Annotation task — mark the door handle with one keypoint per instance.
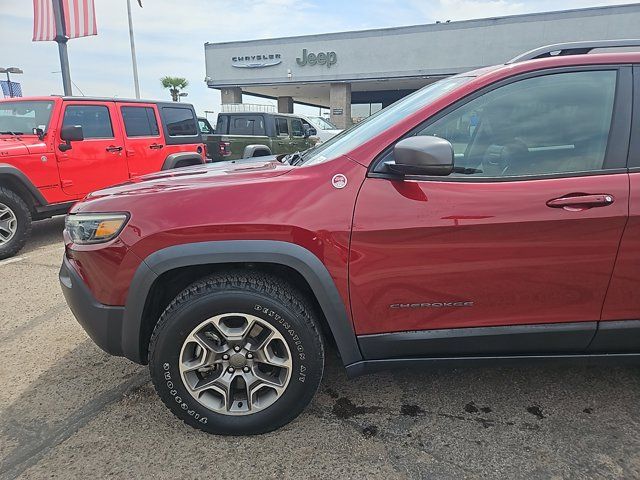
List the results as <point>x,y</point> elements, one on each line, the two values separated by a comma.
<point>578,202</point>
<point>113,149</point>
<point>155,146</point>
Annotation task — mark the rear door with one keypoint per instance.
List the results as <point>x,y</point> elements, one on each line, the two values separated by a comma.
<point>526,232</point>
<point>144,142</point>
<point>97,161</point>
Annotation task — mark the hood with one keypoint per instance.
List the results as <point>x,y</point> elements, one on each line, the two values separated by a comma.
<point>200,176</point>
<point>11,146</point>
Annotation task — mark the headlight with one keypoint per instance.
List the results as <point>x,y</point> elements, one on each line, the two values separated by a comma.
<point>94,228</point>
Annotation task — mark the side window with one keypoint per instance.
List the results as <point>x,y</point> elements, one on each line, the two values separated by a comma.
<point>246,125</point>
<point>94,120</point>
<point>556,123</point>
<point>205,127</point>
<point>281,126</point>
<point>180,121</point>
<point>222,124</point>
<point>296,128</point>
<point>140,121</point>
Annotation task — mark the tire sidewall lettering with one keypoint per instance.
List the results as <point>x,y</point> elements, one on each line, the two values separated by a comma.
<point>293,337</point>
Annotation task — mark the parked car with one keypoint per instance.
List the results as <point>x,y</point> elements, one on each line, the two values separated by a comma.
<point>324,128</point>
<point>519,241</point>
<point>246,135</point>
<point>55,150</point>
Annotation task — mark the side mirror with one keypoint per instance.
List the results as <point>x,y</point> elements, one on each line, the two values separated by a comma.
<point>422,155</point>
<point>309,131</point>
<point>39,132</point>
<point>70,133</point>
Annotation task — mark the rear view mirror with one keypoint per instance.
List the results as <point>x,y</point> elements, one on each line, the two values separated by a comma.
<point>422,155</point>
<point>70,133</point>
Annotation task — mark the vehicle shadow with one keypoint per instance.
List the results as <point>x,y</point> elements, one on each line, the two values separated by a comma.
<point>525,422</point>
<point>44,233</point>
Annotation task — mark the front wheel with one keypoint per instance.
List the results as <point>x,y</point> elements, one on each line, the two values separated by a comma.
<point>15,223</point>
<point>237,354</point>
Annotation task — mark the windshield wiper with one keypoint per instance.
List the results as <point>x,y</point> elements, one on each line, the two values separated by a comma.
<point>11,133</point>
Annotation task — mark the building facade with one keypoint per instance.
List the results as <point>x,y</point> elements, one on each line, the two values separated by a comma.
<point>355,73</point>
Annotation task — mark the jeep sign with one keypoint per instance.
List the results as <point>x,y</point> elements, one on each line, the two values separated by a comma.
<point>322,58</point>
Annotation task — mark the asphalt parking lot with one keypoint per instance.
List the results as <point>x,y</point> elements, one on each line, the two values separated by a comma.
<point>68,410</point>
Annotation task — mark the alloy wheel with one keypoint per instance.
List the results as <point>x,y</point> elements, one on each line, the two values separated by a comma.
<point>235,364</point>
<point>8,224</point>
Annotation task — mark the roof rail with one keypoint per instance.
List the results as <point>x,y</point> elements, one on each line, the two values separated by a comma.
<point>573,48</point>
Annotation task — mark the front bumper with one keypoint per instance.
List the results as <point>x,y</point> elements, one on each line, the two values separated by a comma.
<point>103,323</point>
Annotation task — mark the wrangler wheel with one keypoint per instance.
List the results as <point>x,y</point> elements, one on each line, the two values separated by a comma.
<point>15,223</point>
<point>237,353</point>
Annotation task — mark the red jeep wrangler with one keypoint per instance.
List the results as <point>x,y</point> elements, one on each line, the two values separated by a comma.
<point>55,150</point>
<point>493,215</point>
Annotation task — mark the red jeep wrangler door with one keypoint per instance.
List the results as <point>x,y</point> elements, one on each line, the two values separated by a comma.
<point>97,161</point>
<point>144,142</point>
<point>527,231</point>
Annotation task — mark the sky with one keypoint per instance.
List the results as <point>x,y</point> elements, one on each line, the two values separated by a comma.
<point>170,37</point>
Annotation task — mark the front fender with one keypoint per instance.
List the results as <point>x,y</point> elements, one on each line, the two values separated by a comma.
<point>236,251</point>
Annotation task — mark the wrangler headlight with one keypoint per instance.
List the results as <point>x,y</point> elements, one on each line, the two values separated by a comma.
<point>94,228</point>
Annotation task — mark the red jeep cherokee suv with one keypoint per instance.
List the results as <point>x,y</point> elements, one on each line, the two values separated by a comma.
<point>490,215</point>
<point>55,150</point>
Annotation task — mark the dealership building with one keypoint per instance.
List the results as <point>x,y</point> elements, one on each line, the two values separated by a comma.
<point>354,74</point>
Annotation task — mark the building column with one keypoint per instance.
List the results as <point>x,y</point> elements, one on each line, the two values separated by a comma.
<point>340,104</point>
<point>285,104</point>
<point>231,95</point>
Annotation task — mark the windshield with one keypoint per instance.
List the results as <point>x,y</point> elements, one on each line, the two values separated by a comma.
<point>22,117</point>
<point>376,124</point>
<point>322,123</point>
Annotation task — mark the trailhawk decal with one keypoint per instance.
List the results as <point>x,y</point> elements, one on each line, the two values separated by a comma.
<point>431,305</point>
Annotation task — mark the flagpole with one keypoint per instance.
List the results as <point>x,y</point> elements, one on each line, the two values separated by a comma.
<point>61,40</point>
<point>133,51</point>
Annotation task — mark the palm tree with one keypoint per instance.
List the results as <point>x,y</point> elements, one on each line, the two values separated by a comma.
<point>174,84</point>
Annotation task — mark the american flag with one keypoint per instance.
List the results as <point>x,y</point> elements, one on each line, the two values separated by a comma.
<point>15,89</point>
<point>79,19</point>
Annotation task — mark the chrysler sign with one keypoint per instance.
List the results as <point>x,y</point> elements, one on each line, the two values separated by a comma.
<point>256,61</point>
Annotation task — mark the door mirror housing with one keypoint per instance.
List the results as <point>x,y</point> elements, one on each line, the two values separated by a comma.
<point>70,133</point>
<point>39,132</point>
<point>422,155</point>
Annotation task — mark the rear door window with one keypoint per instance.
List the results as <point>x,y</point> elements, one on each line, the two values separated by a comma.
<point>180,121</point>
<point>140,121</point>
<point>94,120</point>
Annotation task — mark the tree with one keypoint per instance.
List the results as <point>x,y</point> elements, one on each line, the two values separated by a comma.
<point>174,84</point>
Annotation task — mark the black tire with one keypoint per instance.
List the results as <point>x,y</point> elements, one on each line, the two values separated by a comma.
<point>263,296</point>
<point>23,215</point>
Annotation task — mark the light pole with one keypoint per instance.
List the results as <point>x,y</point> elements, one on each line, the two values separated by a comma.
<point>182,94</point>
<point>134,62</point>
<point>9,70</point>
